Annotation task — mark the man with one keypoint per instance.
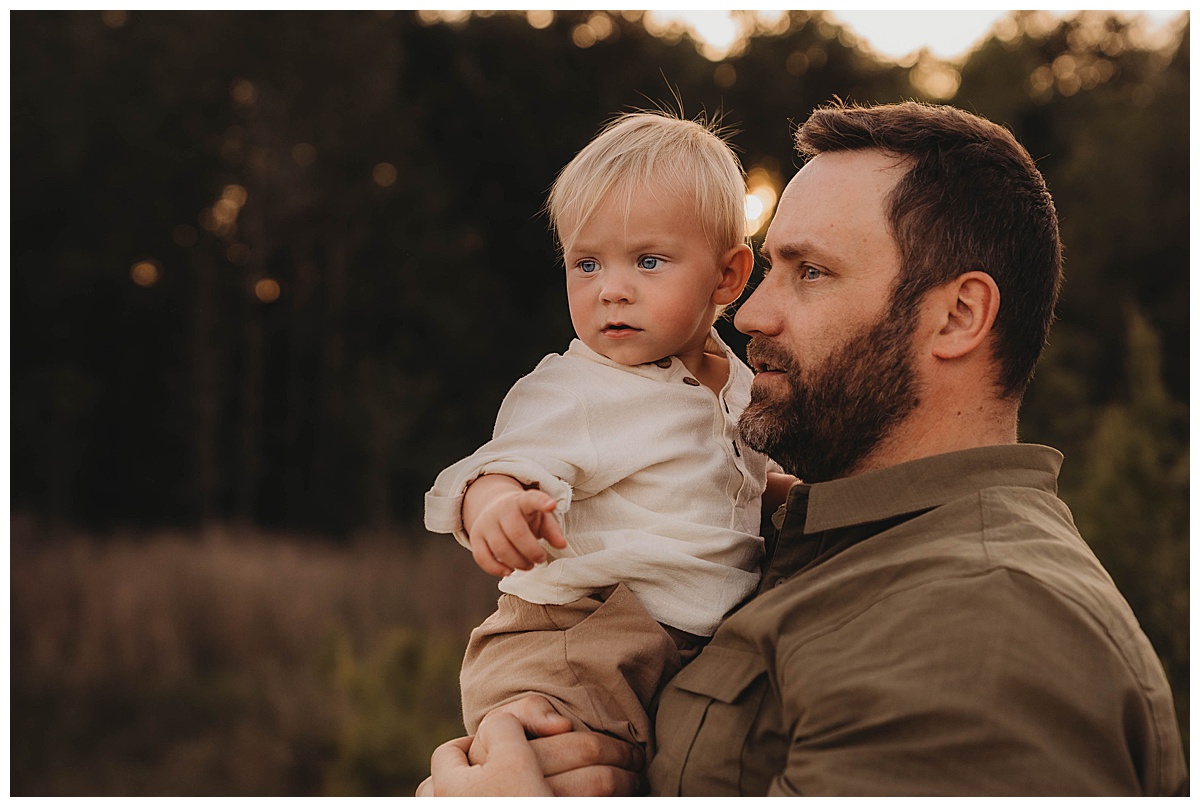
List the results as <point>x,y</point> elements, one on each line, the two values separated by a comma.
<point>929,621</point>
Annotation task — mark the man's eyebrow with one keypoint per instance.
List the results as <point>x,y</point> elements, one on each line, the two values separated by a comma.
<point>795,251</point>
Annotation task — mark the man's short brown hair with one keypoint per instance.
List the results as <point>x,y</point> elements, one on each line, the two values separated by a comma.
<point>972,200</point>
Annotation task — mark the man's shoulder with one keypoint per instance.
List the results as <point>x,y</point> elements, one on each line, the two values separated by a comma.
<point>953,554</point>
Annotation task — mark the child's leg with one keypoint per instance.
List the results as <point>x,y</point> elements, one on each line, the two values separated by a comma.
<point>599,660</point>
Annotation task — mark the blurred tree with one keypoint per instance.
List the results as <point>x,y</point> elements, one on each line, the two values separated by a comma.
<point>282,267</point>
<point>344,263</point>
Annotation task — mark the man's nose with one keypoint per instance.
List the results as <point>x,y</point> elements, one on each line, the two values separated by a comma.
<point>758,313</point>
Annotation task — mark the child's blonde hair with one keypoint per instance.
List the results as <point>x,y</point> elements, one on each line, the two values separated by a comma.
<point>637,148</point>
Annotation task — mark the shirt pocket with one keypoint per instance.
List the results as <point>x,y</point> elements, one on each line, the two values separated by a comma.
<point>704,719</point>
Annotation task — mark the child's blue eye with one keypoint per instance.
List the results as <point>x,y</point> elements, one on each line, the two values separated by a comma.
<point>587,267</point>
<point>648,262</point>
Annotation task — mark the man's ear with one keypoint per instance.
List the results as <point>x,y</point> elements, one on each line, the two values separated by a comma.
<point>966,308</point>
<point>736,266</point>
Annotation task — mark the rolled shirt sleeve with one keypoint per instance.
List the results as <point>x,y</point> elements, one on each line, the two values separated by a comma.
<point>541,439</point>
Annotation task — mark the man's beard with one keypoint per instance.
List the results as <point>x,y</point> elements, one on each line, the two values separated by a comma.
<point>839,411</point>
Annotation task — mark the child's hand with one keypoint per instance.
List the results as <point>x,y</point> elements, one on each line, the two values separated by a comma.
<point>505,524</point>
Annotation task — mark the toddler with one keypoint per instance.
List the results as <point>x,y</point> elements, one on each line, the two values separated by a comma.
<point>616,499</point>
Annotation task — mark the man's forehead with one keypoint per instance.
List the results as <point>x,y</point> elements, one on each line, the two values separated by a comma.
<point>871,171</point>
<point>835,195</point>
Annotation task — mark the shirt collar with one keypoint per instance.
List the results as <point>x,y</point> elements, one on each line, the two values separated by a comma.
<point>665,369</point>
<point>923,484</point>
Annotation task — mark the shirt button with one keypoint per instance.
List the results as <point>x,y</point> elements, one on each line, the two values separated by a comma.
<point>664,363</point>
<point>691,382</point>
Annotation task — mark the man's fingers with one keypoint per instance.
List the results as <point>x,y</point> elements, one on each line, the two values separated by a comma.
<point>511,767</point>
<point>585,749</point>
<point>503,738</point>
<point>447,758</point>
<point>597,781</point>
<point>536,715</point>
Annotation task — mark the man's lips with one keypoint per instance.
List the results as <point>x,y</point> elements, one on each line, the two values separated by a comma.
<point>764,359</point>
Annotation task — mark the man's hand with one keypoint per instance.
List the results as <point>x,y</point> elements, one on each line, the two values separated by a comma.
<point>504,521</point>
<point>511,768</point>
<point>569,763</point>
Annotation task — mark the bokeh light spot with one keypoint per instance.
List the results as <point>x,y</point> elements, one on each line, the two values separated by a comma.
<point>184,235</point>
<point>114,19</point>
<point>267,290</point>
<point>238,254</point>
<point>384,175</point>
<point>601,25</point>
<point>935,79</point>
<point>235,194</point>
<point>243,92</point>
<point>583,36</point>
<point>797,63</point>
<point>144,273</point>
<point>540,18</point>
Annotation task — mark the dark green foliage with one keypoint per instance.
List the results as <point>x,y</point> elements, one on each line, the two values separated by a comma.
<point>402,700</point>
<point>410,300</point>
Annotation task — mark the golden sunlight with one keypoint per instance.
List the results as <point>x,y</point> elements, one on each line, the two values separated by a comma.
<point>760,201</point>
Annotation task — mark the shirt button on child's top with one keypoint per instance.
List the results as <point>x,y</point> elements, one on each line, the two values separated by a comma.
<point>691,382</point>
<point>664,363</point>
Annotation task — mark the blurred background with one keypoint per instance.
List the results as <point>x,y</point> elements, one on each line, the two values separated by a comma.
<point>272,271</point>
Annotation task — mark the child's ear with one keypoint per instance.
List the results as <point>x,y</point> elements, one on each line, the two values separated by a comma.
<point>736,266</point>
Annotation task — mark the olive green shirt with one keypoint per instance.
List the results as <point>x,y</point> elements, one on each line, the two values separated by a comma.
<point>934,628</point>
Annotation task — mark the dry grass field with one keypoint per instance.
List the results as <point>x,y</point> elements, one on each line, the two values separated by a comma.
<point>234,663</point>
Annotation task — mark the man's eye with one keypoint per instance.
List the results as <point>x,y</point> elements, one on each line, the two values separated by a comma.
<point>648,262</point>
<point>588,266</point>
<point>811,272</point>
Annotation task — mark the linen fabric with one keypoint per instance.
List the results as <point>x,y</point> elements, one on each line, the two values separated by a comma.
<point>934,628</point>
<point>655,488</point>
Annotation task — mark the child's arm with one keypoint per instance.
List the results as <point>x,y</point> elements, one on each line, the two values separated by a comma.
<point>504,520</point>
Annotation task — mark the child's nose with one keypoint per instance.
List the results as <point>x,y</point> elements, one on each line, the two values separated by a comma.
<point>616,288</point>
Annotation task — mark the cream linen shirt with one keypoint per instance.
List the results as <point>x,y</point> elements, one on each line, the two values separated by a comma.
<point>655,487</point>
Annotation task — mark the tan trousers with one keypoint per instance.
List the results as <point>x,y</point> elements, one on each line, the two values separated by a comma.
<point>600,661</point>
